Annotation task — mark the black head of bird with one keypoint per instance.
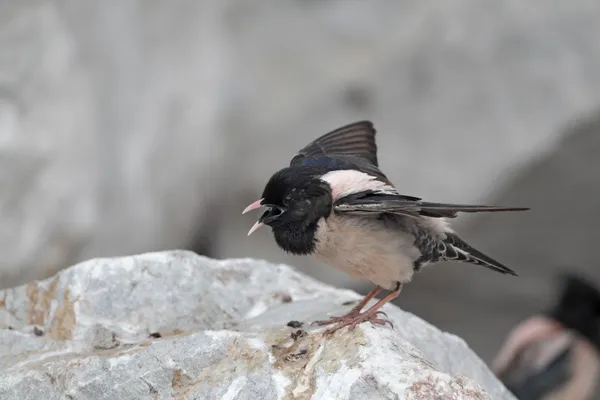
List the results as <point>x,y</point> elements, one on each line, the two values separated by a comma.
<point>295,201</point>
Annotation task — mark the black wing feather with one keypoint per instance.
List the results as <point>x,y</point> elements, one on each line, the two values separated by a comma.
<point>356,139</point>
<point>370,202</point>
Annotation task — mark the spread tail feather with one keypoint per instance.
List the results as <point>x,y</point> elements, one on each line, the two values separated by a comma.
<point>459,250</point>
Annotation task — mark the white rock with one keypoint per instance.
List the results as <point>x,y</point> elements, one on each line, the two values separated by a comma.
<point>94,320</point>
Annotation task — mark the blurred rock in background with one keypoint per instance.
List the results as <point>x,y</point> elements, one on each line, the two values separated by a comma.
<point>136,126</point>
<point>108,128</point>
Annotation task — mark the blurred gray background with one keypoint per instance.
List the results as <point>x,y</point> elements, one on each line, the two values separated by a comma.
<point>133,126</point>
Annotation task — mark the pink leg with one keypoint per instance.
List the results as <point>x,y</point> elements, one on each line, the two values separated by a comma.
<point>354,312</point>
<point>369,315</point>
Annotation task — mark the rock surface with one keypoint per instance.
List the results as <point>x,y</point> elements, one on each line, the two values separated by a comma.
<point>176,325</point>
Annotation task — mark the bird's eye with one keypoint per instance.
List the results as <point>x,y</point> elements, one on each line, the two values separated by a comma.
<point>276,211</point>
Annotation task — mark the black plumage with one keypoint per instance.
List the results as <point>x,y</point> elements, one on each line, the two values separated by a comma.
<point>354,140</point>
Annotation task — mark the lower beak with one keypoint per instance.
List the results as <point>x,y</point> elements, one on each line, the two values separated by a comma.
<point>257,225</point>
<point>253,206</point>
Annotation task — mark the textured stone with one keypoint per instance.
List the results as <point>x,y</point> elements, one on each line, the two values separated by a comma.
<point>177,325</point>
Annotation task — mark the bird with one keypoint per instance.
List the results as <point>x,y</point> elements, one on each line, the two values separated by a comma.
<point>555,354</point>
<point>333,202</point>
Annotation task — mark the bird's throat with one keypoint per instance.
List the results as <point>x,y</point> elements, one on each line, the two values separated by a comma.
<point>296,239</point>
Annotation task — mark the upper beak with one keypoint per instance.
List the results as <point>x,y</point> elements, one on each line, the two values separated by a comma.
<point>253,206</point>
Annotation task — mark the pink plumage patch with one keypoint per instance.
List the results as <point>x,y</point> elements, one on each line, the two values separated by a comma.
<point>346,182</point>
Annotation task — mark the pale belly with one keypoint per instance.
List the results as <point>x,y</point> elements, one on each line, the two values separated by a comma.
<point>366,249</point>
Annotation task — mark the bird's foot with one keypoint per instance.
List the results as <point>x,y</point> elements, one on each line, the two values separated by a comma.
<point>350,316</point>
<point>354,320</point>
<point>333,320</point>
<point>355,317</point>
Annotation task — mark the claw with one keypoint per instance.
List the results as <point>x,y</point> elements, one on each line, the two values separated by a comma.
<point>387,321</point>
<point>355,317</point>
<point>379,321</point>
<point>332,320</point>
<point>352,321</point>
<point>351,315</point>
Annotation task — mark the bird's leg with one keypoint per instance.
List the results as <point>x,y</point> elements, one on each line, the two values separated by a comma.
<point>369,315</point>
<point>354,312</point>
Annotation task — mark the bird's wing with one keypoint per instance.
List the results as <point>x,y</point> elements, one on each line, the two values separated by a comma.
<point>356,140</point>
<point>351,147</point>
<point>374,203</point>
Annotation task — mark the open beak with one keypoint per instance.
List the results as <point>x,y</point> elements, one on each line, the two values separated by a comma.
<point>253,206</point>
